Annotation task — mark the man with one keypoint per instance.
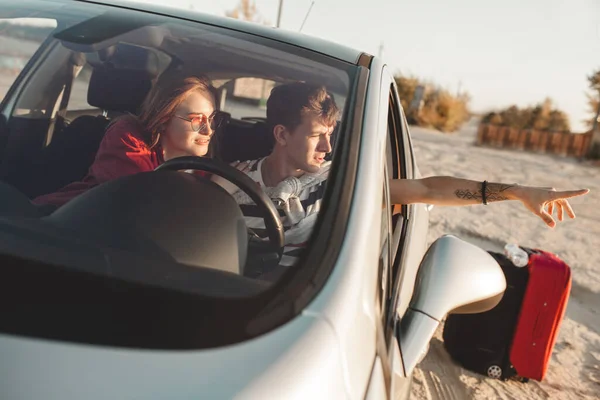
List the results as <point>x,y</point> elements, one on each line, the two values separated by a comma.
<point>302,118</point>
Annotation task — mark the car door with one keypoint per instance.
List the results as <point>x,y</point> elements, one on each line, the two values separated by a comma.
<point>404,235</point>
<point>410,222</point>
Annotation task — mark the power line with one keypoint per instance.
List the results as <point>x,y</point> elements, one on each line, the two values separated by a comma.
<point>306,17</point>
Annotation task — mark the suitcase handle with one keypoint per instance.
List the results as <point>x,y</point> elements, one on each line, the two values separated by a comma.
<point>530,251</point>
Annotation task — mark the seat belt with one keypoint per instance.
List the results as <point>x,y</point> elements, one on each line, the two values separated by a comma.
<point>76,62</point>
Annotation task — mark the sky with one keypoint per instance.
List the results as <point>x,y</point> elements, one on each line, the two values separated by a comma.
<point>502,52</point>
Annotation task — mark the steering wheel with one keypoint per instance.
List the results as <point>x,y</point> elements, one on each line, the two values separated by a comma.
<point>241,180</point>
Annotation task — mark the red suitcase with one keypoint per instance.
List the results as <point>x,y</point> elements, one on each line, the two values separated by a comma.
<point>542,311</point>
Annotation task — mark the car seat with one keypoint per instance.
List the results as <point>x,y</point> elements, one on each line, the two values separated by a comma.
<point>121,78</point>
<point>243,140</point>
<point>70,154</point>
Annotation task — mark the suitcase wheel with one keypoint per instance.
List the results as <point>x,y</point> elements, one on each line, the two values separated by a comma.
<point>494,371</point>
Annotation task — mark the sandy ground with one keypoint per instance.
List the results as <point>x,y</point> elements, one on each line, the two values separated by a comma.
<point>574,371</point>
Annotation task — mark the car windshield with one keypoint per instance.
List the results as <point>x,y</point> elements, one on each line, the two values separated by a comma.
<point>88,115</point>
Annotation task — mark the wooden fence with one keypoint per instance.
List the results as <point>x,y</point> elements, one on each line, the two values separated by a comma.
<point>560,143</point>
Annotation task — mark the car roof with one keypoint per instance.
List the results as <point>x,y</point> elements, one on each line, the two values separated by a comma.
<point>326,47</point>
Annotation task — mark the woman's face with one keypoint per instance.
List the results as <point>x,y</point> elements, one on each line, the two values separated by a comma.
<point>179,139</point>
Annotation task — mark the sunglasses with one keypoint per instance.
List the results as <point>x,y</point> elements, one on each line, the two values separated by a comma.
<point>201,122</point>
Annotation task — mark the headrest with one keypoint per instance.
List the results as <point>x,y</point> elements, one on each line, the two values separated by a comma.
<point>121,90</point>
<point>243,140</point>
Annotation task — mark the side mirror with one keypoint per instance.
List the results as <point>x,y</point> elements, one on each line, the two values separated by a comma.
<point>454,277</point>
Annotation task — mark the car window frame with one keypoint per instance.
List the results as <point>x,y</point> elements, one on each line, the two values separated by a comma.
<point>385,250</point>
<point>405,261</point>
<point>399,213</point>
<point>395,241</point>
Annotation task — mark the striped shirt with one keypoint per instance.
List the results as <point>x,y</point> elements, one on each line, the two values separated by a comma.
<point>298,212</point>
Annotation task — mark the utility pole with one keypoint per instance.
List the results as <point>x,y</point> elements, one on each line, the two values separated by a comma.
<point>279,13</point>
<point>380,55</point>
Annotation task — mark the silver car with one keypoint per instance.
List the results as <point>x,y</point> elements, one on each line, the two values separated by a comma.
<point>169,309</point>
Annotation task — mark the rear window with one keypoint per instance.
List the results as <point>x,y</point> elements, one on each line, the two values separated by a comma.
<point>19,40</point>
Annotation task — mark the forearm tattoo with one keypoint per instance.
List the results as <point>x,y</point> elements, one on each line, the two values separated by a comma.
<point>493,192</point>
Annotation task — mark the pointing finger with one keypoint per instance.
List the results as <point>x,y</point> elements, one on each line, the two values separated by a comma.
<point>566,194</point>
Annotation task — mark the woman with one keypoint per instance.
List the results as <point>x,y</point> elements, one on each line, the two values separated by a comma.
<point>177,118</point>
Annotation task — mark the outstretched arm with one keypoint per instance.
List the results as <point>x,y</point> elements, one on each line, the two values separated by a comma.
<point>450,191</point>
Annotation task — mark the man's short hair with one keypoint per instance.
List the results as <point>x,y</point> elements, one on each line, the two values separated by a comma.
<point>288,103</point>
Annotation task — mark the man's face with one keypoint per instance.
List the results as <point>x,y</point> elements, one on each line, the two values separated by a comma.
<point>307,145</point>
